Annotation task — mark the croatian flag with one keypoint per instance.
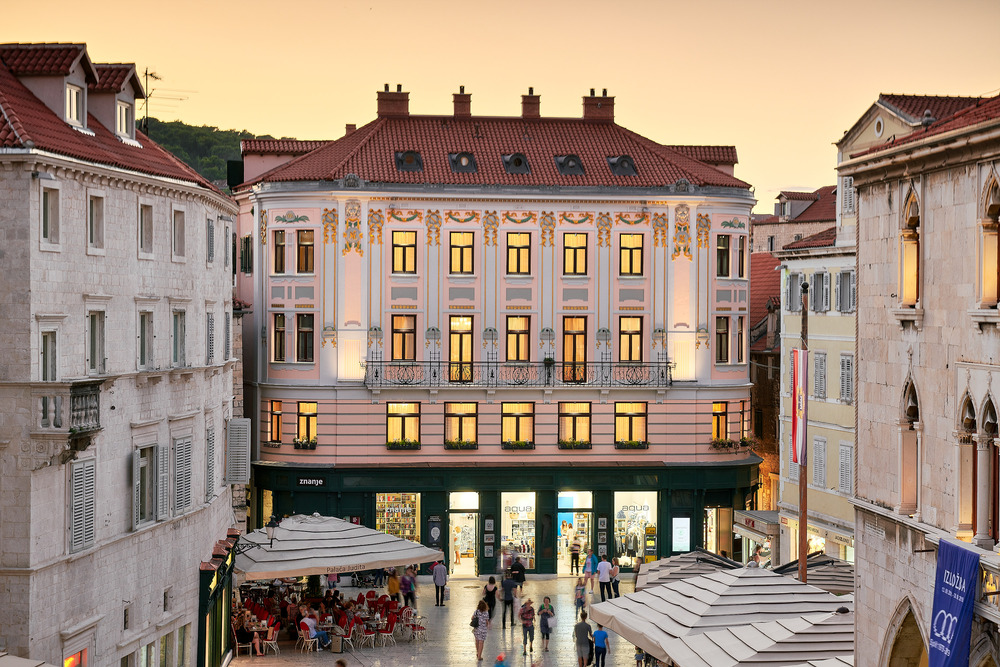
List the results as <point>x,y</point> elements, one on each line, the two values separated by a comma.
<point>800,382</point>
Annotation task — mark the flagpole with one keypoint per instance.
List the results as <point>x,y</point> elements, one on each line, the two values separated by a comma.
<point>803,482</point>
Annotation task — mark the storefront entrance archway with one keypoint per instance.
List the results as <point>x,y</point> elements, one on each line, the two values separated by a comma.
<point>904,645</point>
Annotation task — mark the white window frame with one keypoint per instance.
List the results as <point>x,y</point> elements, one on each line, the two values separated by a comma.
<point>124,119</point>
<point>145,229</point>
<point>183,453</point>
<point>49,239</point>
<point>82,504</point>
<point>76,105</point>
<point>145,335</point>
<point>48,360</point>
<point>819,287</point>
<point>846,458</point>
<point>847,377</point>
<point>849,290</point>
<point>95,222</point>
<point>157,463</point>
<point>178,234</point>
<point>819,374</point>
<point>819,462</point>
<point>95,351</point>
<point>178,348</point>
<point>793,294</point>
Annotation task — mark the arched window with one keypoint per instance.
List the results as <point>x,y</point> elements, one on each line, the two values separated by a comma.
<point>966,492</point>
<point>989,247</point>
<point>909,452</point>
<point>987,478</point>
<point>909,252</point>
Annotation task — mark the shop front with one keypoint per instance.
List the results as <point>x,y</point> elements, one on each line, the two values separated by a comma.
<point>758,529</point>
<point>215,602</point>
<point>485,518</point>
<point>832,540</point>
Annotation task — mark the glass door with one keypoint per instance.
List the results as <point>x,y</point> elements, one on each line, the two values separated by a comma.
<point>575,520</point>
<point>463,533</point>
<point>460,349</point>
<point>574,349</point>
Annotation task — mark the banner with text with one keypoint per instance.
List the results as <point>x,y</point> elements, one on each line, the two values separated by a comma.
<point>954,600</point>
<point>800,400</point>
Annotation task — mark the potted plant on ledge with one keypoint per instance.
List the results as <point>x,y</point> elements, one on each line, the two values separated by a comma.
<point>305,443</point>
<point>631,444</point>
<point>517,444</point>
<point>574,444</point>
<point>461,444</point>
<point>402,443</point>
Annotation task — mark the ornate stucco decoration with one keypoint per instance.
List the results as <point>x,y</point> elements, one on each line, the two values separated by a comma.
<point>548,224</point>
<point>632,219</point>
<point>575,218</point>
<point>704,226</point>
<point>291,217</point>
<point>352,228</point>
<point>433,221</point>
<point>263,227</point>
<point>375,222</point>
<point>462,217</point>
<point>491,222</point>
<point>682,232</point>
<point>521,217</point>
<point>735,223</point>
<point>603,229</point>
<point>329,225</point>
<point>660,230</point>
<point>396,215</point>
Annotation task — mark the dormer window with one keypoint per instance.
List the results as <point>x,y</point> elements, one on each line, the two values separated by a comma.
<point>123,120</point>
<point>622,165</point>
<point>74,105</point>
<point>516,163</point>
<point>569,165</point>
<point>409,161</point>
<point>462,163</point>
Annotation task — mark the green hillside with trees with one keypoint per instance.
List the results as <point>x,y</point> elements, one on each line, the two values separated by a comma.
<point>205,148</point>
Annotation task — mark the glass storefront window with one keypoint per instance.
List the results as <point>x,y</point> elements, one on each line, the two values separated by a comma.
<point>634,527</point>
<point>816,543</point>
<point>575,525</point>
<point>398,514</point>
<point>681,534</point>
<point>463,500</point>
<point>719,530</point>
<point>517,527</point>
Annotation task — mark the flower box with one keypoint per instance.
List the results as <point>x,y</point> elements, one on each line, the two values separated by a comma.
<point>304,444</point>
<point>460,444</point>
<point>517,444</point>
<point>574,444</point>
<point>402,444</point>
<point>631,444</point>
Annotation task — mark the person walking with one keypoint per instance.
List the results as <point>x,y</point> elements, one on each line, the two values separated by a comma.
<point>546,621</point>
<point>490,595</point>
<point>392,585</point>
<point>615,581</point>
<point>590,569</point>
<point>574,557</point>
<point>582,637</point>
<point>581,598</point>
<point>527,615</point>
<point>604,577</point>
<point>408,587</point>
<point>601,646</point>
<point>508,586</point>
<point>517,572</point>
<point>480,627</point>
<point>440,575</point>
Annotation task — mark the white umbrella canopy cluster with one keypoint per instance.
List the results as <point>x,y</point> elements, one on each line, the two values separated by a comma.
<point>656,616</point>
<point>306,545</point>
<point>823,571</point>
<point>682,566</point>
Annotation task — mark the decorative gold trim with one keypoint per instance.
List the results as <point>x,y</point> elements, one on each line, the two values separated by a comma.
<point>375,222</point>
<point>575,308</point>
<point>409,215</point>
<point>548,224</point>
<point>263,227</point>
<point>603,230</point>
<point>462,217</point>
<point>454,307</point>
<point>520,217</point>
<point>305,305</point>
<point>433,221</point>
<point>352,228</point>
<point>704,223</point>
<point>575,217</point>
<point>632,218</point>
<point>490,224</point>
<point>517,307</point>
<point>329,225</point>
<point>402,306</point>
<point>682,233</point>
<point>660,230</point>
<point>631,308</point>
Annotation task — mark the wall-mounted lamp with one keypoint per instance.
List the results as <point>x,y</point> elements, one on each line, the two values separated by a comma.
<point>42,176</point>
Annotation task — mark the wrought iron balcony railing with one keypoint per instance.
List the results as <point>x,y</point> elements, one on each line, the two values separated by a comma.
<point>384,374</point>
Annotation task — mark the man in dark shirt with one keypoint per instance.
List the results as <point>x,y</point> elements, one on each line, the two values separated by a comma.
<point>508,586</point>
<point>581,635</point>
<point>517,572</point>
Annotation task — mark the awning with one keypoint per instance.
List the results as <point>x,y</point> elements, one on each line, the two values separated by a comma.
<point>654,616</point>
<point>765,524</point>
<point>783,642</point>
<point>13,661</point>
<point>822,571</point>
<point>682,566</point>
<point>305,545</point>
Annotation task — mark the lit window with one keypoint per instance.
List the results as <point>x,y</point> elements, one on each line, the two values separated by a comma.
<point>574,349</point>
<point>909,292</point>
<point>517,337</point>
<point>404,252</point>
<point>304,337</point>
<point>741,257</point>
<point>574,422</point>
<point>461,252</point>
<point>460,421</point>
<point>631,255</point>
<point>722,255</point>
<point>989,248</point>
<point>518,422</point>
<point>278,340</point>
<point>402,422</point>
<point>123,120</point>
<point>518,253</point>
<point>739,334</point>
<point>630,422</point>
<point>722,340</point>
<point>275,421</point>
<point>74,105</point>
<point>462,163</point>
<point>76,660</point>
<point>404,337</point>
<point>720,421</point>
<point>630,339</point>
<point>304,240</point>
<point>460,348</point>
<point>574,254</point>
<point>307,420</point>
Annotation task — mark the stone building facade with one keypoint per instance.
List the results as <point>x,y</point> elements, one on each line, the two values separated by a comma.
<point>116,379</point>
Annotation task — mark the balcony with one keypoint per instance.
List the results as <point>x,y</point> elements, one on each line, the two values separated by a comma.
<point>75,406</point>
<point>389,374</point>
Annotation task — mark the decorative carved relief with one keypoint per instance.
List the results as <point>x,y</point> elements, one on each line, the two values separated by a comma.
<point>604,229</point>
<point>548,224</point>
<point>490,224</point>
<point>291,217</point>
<point>462,217</point>
<point>735,223</point>
<point>704,226</point>
<point>433,221</point>
<point>575,218</point>
<point>375,222</point>
<point>352,228</point>
<point>329,225</point>
<point>660,230</point>
<point>521,217</point>
<point>406,216</point>
<point>632,218</point>
<point>263,227</point>
<point>682,232</point>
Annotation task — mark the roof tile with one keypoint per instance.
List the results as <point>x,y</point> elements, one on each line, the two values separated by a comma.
<point>40,59</point>
<point>709,154</point>
<point>824,239</point>
<point>279,146</point>
<point>824,208</point>
<point>914,106</point>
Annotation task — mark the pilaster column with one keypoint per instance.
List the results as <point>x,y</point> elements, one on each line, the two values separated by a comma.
<point>983,474</point>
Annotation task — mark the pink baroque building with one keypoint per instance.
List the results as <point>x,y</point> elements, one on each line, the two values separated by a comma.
<point>500,334</point>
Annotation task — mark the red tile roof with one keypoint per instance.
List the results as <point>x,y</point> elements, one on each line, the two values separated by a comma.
<point>765,286</point>
<point>369,152</point>
<point>25,122</point>
<point>44,59</point>
<point>824,239</point>
<point>985,110</point>
<point>709,154</point>
<point>824,208</point>
<point>794,195</point>
<point>914,106</point>
<point>112,77</point>
<point>279,146</point>
<point>763,219</point>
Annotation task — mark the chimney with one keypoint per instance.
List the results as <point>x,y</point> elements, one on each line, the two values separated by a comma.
<point>393,104</point>
<point>463,103</point>
<point>599,108</point>
<point>350,129</point>
<point>531,105</point>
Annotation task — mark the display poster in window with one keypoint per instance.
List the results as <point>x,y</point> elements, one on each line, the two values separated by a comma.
<point>602,524</point>
<point>434,531</point>
<point>488,525</point>
<point>681,534</point>
<point>488,551</point>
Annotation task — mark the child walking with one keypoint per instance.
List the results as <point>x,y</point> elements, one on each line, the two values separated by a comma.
<point>580,597</point>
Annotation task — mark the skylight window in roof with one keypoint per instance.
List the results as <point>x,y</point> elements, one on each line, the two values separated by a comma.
<point>409,161</point>
<point>516,163</point>
<point>622,165</point>
<point>462,163</point>
<point>569,165</point>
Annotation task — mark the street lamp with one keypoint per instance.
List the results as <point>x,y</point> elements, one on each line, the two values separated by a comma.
<point>269,528</point>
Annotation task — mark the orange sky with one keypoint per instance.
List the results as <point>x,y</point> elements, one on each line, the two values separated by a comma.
<point>780,80</point>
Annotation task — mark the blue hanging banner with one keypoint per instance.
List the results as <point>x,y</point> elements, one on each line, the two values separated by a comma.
<point>954,600</point>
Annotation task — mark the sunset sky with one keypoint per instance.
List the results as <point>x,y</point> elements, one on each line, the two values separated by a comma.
<point>780,80</point>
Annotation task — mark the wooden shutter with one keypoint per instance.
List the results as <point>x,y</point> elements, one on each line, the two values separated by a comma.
<point>162,482</point>
<point>211,239</point>
<point>83,482</point>
<point>210,337</point>
<point>819,375</point>
<point>826,292</point>
<point>182,475</point>
<point>846,378</point>
<point>136,490</point>
<point>819,462</point>
<point>227,341</point>
<point>209,464</point>
<point>238,451</point>
<point>854,292</point>
<point>837,292</point>
<point>846,468</point>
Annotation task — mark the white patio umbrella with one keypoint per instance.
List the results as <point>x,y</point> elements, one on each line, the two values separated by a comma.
<point>305,545</point>
<point>682,566</point>
<point>840,661</point>
<point>654,616</point>
<point>782,643</point>
<point>823,571</point>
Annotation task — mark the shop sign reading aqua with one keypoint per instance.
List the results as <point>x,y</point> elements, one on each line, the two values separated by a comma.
<point>954,599</point>
<point>519,509</point>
